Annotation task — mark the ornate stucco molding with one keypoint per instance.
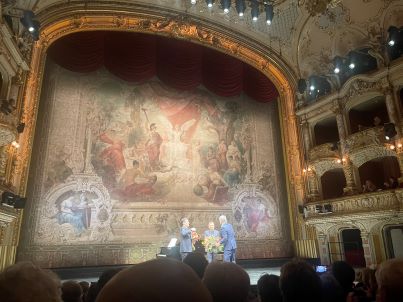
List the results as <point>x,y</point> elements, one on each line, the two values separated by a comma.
<point>356,207</point>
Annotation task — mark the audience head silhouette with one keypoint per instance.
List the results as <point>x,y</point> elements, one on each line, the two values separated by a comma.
<point>389,277</point>
<point>344,274</point>
<point>71,292</point>
<point>25,282</point>
<point>156,280</point>
<point>299,282</point>
<point>268,287</point>
<point>226,281</point>
<point>197,262</point>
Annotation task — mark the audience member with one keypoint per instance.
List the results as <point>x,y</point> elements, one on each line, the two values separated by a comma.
<point>71,292</point>
<point>331,289</point>
<point>377,121</point>
<point>156,280</point>
<point>369,283</point>
<point>268,287</point>
<point>389,277</point>
<point>393,183</point>
<point>25,282</point>
<point>226,282</point>
<point>92,293</point>
<point>368,187</point>
<point>197,262</point>
<point>84,287</point>
<point>299,282</point>
<point>345,275</point>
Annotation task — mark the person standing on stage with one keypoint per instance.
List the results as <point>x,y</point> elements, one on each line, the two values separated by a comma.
<point>227,239</point>
<point>212,233</point>
<point>186,239</point>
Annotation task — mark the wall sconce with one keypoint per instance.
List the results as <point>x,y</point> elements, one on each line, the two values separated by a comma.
<point>15,144</point>
<point>338,161</point>
<point>309,169</point>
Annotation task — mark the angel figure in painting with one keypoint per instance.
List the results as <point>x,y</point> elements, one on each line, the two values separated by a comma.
<point>177,149</point>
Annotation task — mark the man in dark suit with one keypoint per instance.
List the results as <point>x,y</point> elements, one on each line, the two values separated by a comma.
<point>186,239</point>
<point>227,239</point>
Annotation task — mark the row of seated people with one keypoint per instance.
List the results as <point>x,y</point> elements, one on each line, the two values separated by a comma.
<point>196,280</point>
<point>388,184</point>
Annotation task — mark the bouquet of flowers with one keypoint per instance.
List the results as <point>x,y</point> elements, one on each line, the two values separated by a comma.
<point>195,237</point>
<point>211,246</point>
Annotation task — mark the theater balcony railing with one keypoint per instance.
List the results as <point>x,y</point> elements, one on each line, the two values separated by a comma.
<point>366,145</point>
<point>379,204</point>
<point>323,158</point>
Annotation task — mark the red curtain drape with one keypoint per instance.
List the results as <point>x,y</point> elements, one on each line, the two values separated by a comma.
<point>183,65</point>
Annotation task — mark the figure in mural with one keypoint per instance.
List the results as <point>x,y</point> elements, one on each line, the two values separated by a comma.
<point>76,212</point>
<point>135,183</point>
<point>256,213</point>
<point>113,154</point>
<point>211,160</point>
<point>153,146</point>
<point>177,149</point>
<point>222,155</point>
<point>232,175</point>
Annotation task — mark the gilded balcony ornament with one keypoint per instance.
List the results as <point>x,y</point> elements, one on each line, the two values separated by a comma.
<point>323,151</point>
<point>318,7</point>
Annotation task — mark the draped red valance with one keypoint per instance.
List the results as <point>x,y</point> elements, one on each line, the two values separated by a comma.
<point>136,57</point>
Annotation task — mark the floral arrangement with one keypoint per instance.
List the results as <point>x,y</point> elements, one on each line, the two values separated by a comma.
<point>210,245</point>
<point>195,237</point>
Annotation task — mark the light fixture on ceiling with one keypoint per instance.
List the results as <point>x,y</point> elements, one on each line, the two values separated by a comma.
<point>226,4</point>
<point>28,20</point>
<point>240,7</point>
<point>269,13</point>
<point>254,10</point>
<point>210,3</point>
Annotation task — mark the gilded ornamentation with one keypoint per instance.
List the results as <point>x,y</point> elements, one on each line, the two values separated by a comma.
<point>323,151</point>
<point>359,204</point>
<point>177,27</point>
<point>325,165</point>
<point>317,7</point>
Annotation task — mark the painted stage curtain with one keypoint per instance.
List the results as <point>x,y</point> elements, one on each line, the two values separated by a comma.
<point>136,57</point>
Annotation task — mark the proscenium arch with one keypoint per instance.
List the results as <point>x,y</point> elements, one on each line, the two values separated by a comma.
<point>62,20</point>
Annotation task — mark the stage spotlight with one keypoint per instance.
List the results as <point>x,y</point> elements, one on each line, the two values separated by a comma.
<point>210,3</point>
<point>351,65</point>
<point>29,22</point>
<point>226,4</point>
<point>269,13</point>
<point>389,131</point>
<point>13,200</point>
<point>338,63</point>
<point>312,88</point>
<point>240,7</point>
<point>255,10</point>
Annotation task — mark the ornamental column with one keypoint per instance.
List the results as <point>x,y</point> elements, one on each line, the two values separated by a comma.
<point>313,185</point>
<point>306,135</point>
<point>391,107</point>
<point>348,168</point>
<point>369,253</point>
<point>323,247</point>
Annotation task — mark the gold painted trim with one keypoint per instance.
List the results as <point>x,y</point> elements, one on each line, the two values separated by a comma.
<point>63,22</point>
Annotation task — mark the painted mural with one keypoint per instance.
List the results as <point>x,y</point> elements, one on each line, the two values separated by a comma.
<point>118,164</point>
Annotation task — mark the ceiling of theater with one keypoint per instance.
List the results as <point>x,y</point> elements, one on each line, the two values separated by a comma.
<point>305,34</point>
